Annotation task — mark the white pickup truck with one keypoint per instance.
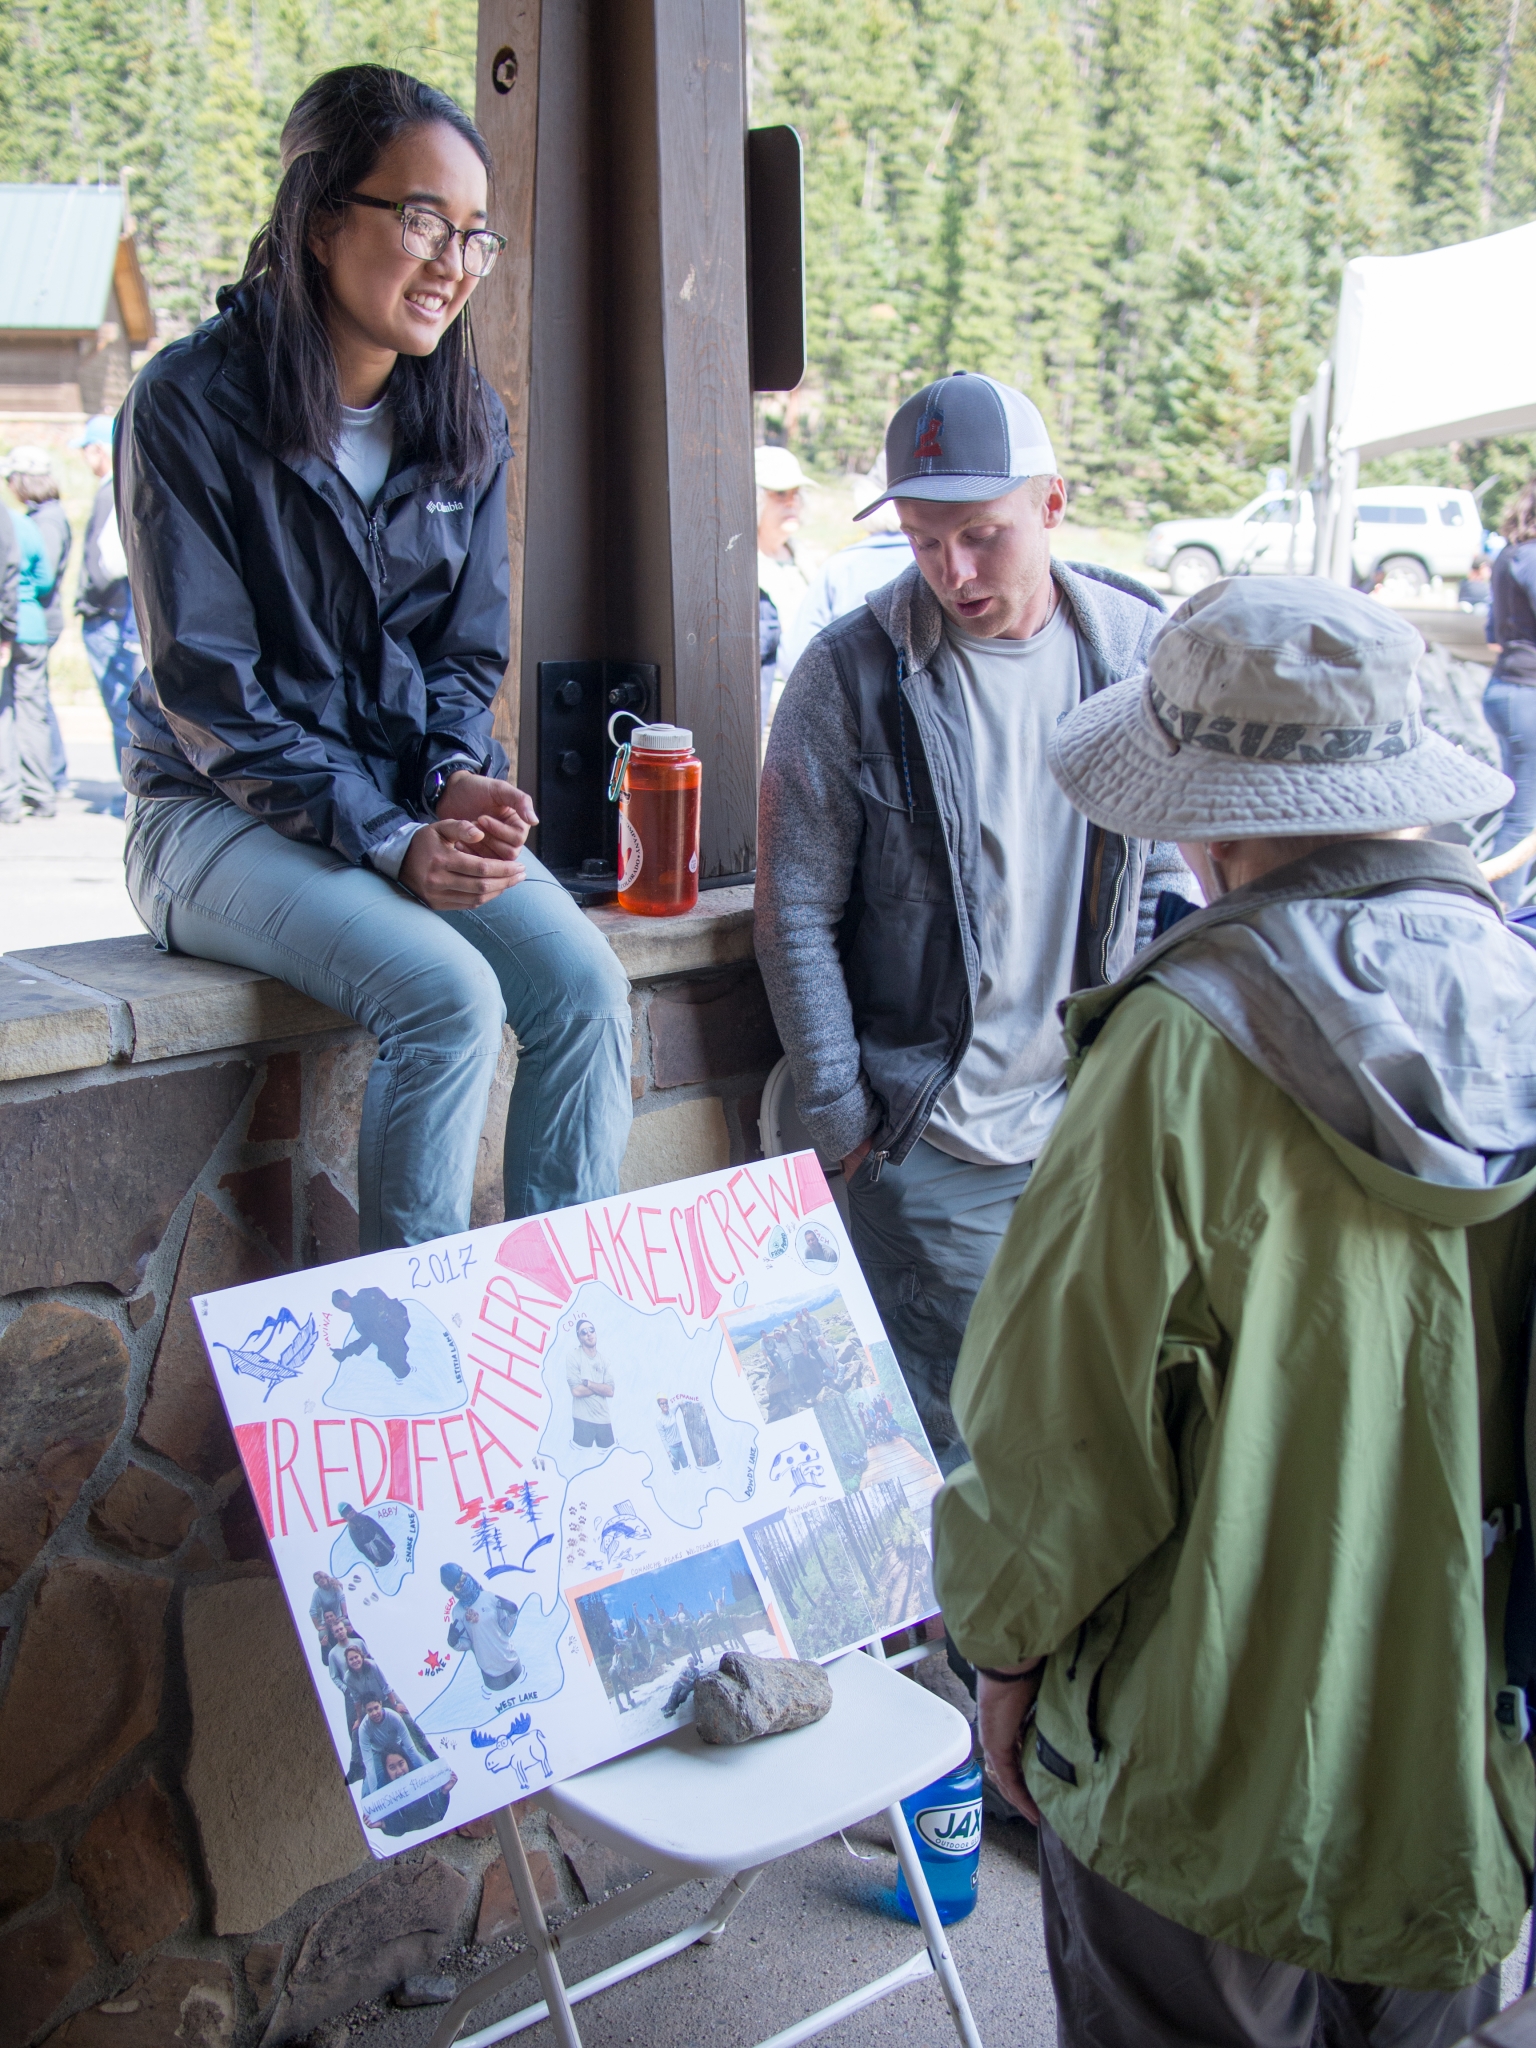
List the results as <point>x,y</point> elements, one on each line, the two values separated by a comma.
<point>1413,533</point>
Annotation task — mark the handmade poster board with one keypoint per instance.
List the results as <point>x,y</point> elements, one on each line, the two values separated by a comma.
<point>523,1484</point>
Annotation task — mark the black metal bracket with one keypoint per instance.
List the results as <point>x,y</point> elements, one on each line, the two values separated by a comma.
<point>775,258</point>
<point>578,827</point>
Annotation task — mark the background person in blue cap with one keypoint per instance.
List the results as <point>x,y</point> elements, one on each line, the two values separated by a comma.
<point>29,472</point>
<point>10,600</point>
<point>926,895</point>
<point>104,600</point>
<point>28,755</point>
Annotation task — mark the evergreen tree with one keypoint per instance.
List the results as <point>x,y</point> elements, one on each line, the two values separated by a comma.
<point>855,80</point>
<point>1241,337</point>
<point>1311,64</point>
<point>1444,119</point>
<point>1511,175</point>
<point>1144,140</point>
<point>1137,210</point>
<point>186,98</point>
<point>1015,246</point>
<point>233,187</point>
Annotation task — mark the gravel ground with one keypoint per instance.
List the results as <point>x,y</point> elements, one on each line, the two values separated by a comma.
<point>814,1927</point>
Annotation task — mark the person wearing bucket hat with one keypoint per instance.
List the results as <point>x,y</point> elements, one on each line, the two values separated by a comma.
<point>846,578</point>
<point>781,581</point>
<point>925,893</point>
<point>1246,1523</point>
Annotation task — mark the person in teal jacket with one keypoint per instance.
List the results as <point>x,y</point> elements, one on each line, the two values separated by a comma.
<point>1243,1387</point>
<point>26,748</point>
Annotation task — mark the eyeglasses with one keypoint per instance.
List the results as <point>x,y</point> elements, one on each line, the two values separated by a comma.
<point>425,234</point>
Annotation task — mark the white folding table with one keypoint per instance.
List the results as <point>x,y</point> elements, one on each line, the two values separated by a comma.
<point>684,1810</point>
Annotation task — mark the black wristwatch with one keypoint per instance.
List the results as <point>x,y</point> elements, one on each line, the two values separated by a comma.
<point>432,789</point>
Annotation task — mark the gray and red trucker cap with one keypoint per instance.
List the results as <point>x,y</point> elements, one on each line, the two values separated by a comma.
<point>963,439</point>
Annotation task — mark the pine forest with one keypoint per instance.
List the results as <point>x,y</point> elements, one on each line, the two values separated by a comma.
<point>1138,210</point>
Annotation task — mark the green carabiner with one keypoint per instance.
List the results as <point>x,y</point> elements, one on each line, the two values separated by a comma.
<point>621,758</point>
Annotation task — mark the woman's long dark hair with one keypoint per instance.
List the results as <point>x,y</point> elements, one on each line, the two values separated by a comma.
<point>1519,522</point>
<point>339,128</point>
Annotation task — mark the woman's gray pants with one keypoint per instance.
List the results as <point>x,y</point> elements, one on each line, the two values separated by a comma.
<point>26,744</point>
<point>434,988</point>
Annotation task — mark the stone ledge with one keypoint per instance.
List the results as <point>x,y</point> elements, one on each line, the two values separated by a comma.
<point>64,1008</point>
<point>715,934</point>
<point>176,1006</point>
<point>47,1026</point>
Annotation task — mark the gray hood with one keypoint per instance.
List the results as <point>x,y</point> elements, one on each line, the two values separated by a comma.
<point>1120,633</point>
<point>1405,1021</point>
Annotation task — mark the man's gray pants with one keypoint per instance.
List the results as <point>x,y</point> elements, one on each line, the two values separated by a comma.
<point>925,1233</point>
<point>26,745</point>
<point>1125,1977</point>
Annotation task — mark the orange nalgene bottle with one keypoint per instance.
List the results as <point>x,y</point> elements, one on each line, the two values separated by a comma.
<point>659,822</point>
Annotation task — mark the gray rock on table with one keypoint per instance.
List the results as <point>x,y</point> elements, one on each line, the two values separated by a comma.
<point>751,1696</point>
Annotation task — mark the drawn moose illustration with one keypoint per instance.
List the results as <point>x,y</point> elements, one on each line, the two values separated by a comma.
<point>520,1748</point>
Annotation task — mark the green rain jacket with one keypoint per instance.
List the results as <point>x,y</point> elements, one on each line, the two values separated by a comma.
<point>1241,1397</point>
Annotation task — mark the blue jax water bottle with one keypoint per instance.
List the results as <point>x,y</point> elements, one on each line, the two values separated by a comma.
<point>945,1819</point>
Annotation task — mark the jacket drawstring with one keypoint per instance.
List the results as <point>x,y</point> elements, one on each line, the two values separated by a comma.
<point>901,717</point>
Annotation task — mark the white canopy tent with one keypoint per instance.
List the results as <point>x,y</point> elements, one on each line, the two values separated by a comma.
<point>1430,348</point>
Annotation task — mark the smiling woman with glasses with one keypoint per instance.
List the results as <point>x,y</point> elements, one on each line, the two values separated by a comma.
<point>312,490</point>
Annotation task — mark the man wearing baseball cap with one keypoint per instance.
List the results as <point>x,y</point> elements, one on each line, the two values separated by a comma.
<point>925,893</point>
<point>1246,1387</point>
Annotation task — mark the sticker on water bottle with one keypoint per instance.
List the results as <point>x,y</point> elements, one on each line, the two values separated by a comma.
<point>631,854</point>
<point>951,1830</point>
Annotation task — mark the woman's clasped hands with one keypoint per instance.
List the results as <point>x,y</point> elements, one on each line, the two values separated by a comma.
<point>470,855</point>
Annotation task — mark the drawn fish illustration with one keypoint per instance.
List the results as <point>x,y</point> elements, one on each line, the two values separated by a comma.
<point>251,1357</point>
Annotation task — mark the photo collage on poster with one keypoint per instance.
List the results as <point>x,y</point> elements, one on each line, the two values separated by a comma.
<point>522,1486</point>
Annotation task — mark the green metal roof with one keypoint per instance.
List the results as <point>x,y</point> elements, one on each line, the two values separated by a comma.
<point>58,244</point>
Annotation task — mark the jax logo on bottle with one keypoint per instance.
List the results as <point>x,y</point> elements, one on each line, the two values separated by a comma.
<point>951,1830</point>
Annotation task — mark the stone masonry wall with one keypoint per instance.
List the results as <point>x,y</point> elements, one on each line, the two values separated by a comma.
<point>179,1860</point>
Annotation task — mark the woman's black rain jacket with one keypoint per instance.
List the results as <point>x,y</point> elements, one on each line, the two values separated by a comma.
<point>311,661</point>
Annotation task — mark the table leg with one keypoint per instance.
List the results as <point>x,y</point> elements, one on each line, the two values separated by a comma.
<point>933,1928</point>
<point>537,1929</point>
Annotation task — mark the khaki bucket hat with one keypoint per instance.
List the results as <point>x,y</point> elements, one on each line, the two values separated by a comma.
<point>1270,705</point>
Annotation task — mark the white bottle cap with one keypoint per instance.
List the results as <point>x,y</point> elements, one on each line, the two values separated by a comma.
<point>661,739</point>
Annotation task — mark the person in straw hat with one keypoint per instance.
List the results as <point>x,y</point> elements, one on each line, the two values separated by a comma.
<point>781,578</point>
<point>1243,1388</point>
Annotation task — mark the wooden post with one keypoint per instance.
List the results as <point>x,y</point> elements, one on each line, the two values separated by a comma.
<point>712,511</point>
<point>639,541</point>
<point>507,115</point>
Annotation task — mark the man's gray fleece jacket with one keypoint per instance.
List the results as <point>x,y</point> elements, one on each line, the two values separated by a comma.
<point>869,852</point>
